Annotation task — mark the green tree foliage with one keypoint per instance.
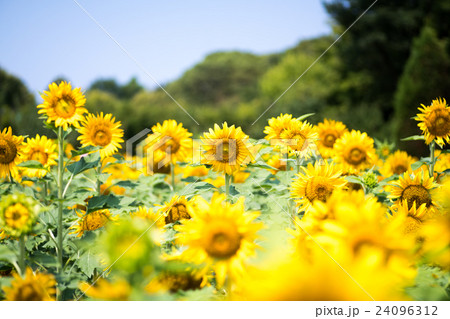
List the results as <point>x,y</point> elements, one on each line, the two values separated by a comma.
<point>110,86</point>
<point>425,77</point>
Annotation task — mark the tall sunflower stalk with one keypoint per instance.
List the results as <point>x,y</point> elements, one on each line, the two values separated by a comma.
<point>60,199</point>
<point>432,158</point>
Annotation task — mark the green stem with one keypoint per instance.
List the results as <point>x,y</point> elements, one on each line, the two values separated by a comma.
<point>22,254</point>
<point>60,199</point>
<point>172,173</point>
<point>99,184</point>
<point>227,186</point>
<point>432,158</point>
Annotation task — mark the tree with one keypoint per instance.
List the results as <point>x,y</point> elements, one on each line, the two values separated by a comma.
<point>426,77</point>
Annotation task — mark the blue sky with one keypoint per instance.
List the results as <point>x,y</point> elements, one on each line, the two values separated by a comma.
<point>40,40</point>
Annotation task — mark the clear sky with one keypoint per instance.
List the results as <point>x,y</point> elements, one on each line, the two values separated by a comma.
<point>40,40</point>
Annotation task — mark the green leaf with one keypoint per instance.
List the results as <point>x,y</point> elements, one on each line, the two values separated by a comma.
<point>416,165</point>
<point>87,162</point>
<point>88,262</point>
<point>203,185</point>
<point>31,164</point>
<point>7,254</point>
<point>414,138</point>
<point>190,179</point>
<point>85,150</point>
<point>233,191</point>
<point>126,184</point>
<point>304,116</point>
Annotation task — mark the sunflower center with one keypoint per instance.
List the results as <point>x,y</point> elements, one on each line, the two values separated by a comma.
<point>416,194</point>
<point>40,157</point>
<point>400,169</point>
<point>438,122</point>
<point>318,188</point>
<point>356,156</point>
<point>102,137</point>
<point>65,107</point>
<point>329,140</point>
<point>177,212</point>
<point>8,151</point>
<point>226,152</point>
<point>224,242</point>
<point>28,292</point>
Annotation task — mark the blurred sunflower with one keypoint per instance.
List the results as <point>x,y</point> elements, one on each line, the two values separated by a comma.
<point>11,148</point>
<point>171,138</point>
<point>101,130</point>
<point>316,183</point>
<point>118,290</point>
<point>413,217</point>
<point>226,148</point>
<point>397,163</point>
<point>175,210</point>
<point>62,105</point>
<point>278,163</point>
<point>18,214</point>
<point>92,221</point>
<point>33,287</point>
<point>415,188</point>
<point>442,161</point>
<point>220,236</point>
<point>175,280</point>
<point>298,137</point>
<point>329,131</point>
<point>43,150</point>
<point>277,125</point>
<point>355,151</point>
<point>436,241</point>
<point>434,121</point>
<point>149,215</point>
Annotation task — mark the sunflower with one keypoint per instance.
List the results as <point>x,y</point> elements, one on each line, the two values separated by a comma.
<point>92,221</point>
<point>62,105</point>
<point>397,163</point>
<point>226,148</point>
<point>436,241</point>
<point>316,183</point>
<point>329,131</point>
<point>175,210</point>
<point>149,215</point>
<point>33,287</point>
<point>298,137</point>
<point>414,188</point>
<point>276,126</point>
<point>442,161</point>
<point>175,280</point>
<point>101,131</point>
<point>43,150</point>
<point>278,163</point>
<point>220,236</point>
<point>355,151</point>
<point>18,214</point>
<point>434,121</point>
<point>171,138</point>
<point>413,217</point>
<point>103,289</point>
<point>11,148</point>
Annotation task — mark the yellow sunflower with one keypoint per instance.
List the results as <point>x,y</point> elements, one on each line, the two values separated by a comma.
<point>175,210</point>
<point>397,163</point>
<point>220,236</point>
<point>316,183</point>
<point>413,217</point>
<point>33,287</point>
<point>62,105</point>
<point>103,289</point>
<point>172,139</point>
<point>149,215</point>
<point>442,161</point>
<point>329,131</point>
<point>18,214</point>
<point>278,163</point>
<point>11,148</point>
<point>436,243</point>
<point>101,131</point>
<point>414,188</point>
<point>298,137</point>
<point>276,126</point>
<point>92,221</point>
<point>434,121</point>
<point>355,151</point>
<point>43,150</point>
<point>226,148</point>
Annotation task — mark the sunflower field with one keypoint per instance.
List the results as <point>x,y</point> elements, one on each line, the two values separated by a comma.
<point>311,212</point>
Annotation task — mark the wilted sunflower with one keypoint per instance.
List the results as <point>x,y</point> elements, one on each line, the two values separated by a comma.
<point>316,183</point>
<point>220,236</point>
<point>101,130</point>
<point>329,131</point>
<point>413,188</point>
<point>33,287</point>
<point>171,138</point>
<point>276,126</point>
<point>175,210</point>
<point>103,289</point>
<point>92,221</point>
<point>62,105</point>
<point>18,214</point>
<point>434,121</point>
<point>226,148</point>
<point>397,163</point>
<point>355,151</point>
<point>11,148</point>
<point>41,149</point>
<point>297,138</point>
